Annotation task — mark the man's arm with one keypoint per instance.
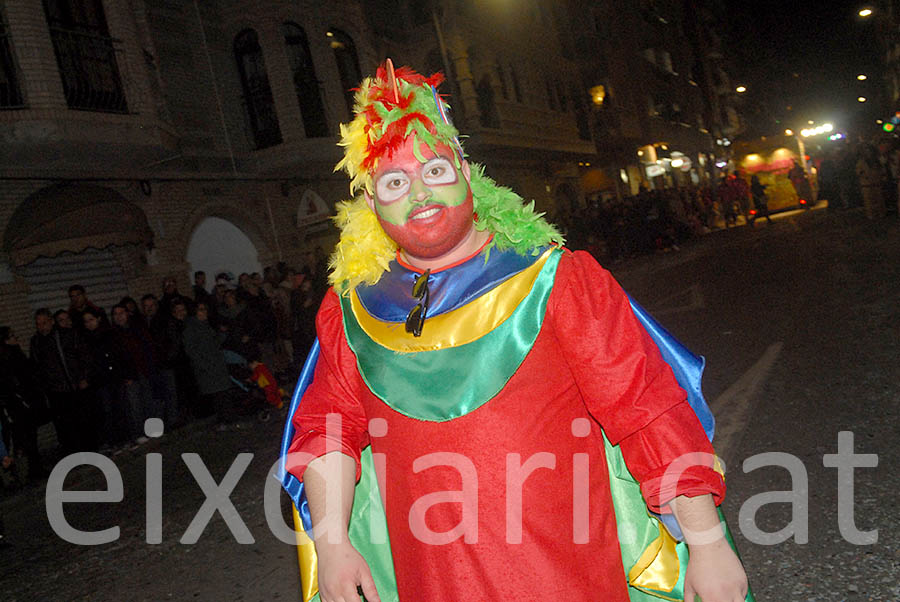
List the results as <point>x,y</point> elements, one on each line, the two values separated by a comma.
<point>714,572</point>
<point>329,482</point>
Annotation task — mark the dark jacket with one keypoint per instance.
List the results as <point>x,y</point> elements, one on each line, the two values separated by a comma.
<point>109,364</point>
<point>60,359</point>
<point>203,346</point>
<point>19,392</point>
<point>136,344</point>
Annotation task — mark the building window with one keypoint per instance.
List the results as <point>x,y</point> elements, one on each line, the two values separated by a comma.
<point>347,63</point>
<point>501,77</point>
<point>486,107</point>
<point>551,95</point>
<point>10,93</point>
<point>517,90</point>
<point>86,55</point>
<point>561,95</point>
<point>581,117</point>
<point>305,82</point>
<point>259,106</point>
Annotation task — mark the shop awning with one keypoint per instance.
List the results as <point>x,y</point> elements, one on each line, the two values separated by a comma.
<point>72,217</point>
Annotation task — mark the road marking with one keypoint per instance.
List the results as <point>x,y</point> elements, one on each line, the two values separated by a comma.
<point>732,407</point>
<point>688,299</point>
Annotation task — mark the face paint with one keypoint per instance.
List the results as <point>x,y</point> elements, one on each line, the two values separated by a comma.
<point>426,208</point>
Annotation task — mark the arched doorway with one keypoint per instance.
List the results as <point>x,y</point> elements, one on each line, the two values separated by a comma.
<point>217,245</point>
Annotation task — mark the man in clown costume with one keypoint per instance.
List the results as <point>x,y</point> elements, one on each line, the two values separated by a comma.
<point>493,392</point>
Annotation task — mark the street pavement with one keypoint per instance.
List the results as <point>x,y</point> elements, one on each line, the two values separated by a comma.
<point>800,326</point>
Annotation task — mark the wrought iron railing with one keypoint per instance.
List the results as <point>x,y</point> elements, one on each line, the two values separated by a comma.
<point>10,92</point>
<point>89,71</point>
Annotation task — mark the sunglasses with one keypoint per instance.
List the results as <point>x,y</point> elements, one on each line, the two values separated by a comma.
<point>415,319</point>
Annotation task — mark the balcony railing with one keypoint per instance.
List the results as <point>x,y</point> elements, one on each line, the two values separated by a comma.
<point>89,71</point>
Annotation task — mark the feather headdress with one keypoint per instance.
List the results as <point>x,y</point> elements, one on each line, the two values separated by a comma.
<point>390,108</point>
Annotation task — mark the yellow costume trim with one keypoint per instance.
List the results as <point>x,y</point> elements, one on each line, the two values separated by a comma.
<point>459,326</point>
<point>658,567</point>
<point>364,251</point>
<point>306,556</point>
<point>355,142</point>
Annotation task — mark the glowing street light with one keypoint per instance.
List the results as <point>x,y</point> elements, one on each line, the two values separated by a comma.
<point>861,77</point>
<point>740,89</point>
<point>865,12</point>
<point>861,99</point>
<point>822,129</point>
<point>788,132</point>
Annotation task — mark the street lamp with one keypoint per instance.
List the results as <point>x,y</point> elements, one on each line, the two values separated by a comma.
<point>788,132</point>
<point>740,89</point>
<point>865,12</point>
<point>861,99</point>
<point>861,77</point>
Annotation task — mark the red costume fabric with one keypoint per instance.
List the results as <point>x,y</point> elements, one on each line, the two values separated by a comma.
<point>263,378</point>
<point>591,361</point>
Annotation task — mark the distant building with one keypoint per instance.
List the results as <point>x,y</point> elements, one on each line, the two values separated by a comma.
<point>153,138</point>
<point>143,139</point>
<point>662,104</point>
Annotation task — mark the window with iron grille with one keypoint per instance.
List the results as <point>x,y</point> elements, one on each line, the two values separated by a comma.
<point>86,55</point>
<point>259,106</point>
<point>10,93</point>
<point>347,63</point>
<point>305,82</point>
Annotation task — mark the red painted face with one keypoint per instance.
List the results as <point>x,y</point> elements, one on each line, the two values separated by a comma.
<point>426,208</point>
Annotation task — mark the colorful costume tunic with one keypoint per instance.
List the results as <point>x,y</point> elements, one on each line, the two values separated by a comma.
<point>524,363</point>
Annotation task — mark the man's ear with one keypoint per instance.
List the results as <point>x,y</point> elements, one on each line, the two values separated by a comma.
<point>467,172</point>
<point>369,201</point>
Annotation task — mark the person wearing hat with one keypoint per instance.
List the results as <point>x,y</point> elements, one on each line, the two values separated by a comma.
<point>487,388</point>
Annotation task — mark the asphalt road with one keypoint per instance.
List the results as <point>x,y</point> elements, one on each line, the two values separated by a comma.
<point>800,325</point>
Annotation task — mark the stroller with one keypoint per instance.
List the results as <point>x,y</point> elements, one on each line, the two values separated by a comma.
<point>253,401</point>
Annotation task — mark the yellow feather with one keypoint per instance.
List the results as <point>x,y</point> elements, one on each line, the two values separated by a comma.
<point>363,251</point>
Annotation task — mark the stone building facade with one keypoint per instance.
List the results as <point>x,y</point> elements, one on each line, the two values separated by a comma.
<point>136,135</point>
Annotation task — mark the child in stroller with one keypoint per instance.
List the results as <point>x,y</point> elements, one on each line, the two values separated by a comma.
<point>253,377</point>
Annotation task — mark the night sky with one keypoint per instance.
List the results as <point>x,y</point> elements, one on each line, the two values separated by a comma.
<point>805,55</point>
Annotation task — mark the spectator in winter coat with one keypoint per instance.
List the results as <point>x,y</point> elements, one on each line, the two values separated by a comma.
<point>136,349</point>
<point>233,322</point>
<point>62,319</point>
<point>184,376</point>
<point>78,302</point>
<point>163,380</point>
<point>108,367</point>
<point>21,404</point>
<point>171,295</point>
<point>203,346</point>
<point>61,360</point>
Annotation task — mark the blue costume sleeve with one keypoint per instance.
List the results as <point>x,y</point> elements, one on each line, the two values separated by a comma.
<point>292,484</point>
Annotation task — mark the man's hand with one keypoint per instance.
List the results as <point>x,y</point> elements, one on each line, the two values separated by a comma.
<point>341,570</point>
<point>715,574</point>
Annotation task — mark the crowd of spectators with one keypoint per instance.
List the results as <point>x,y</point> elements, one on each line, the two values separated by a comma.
<point>650,221</point>
<point>98,373</point>
<point>865,174</point>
